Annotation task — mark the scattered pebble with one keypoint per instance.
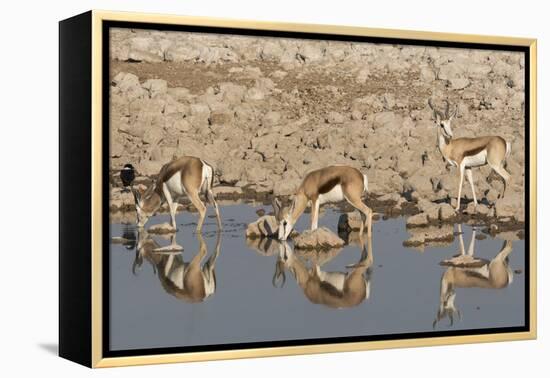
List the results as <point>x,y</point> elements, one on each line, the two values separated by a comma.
<point>321,238</point>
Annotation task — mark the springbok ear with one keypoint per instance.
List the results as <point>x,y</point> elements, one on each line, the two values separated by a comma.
<point>437,117</point>
<point>453,114</point>
<point>279,274</point>
<point>276,203</point>
<point>293,203</point>
<point>148,192</point>
<point>435,113</point>
<point>137,196</point>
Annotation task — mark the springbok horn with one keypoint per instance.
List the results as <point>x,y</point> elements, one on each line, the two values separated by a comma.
<point>138,260</point>
<point>279,272</point>
<point>446,109</point>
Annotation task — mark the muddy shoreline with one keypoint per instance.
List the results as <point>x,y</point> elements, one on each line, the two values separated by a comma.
<point>384,209</point>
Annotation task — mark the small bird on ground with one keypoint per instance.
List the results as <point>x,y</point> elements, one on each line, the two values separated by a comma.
<point>127,175</point>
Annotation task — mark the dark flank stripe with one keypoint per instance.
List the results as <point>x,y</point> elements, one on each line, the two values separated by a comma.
<point>330,289</point>
<point>474,151</point>
<point>329,185</point>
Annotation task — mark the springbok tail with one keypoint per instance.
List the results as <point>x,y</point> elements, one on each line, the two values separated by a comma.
<point>504,163</point>
<point>365,183</point>
<point>367,288</point>
<point>508,150</point>
<point>207,177</point>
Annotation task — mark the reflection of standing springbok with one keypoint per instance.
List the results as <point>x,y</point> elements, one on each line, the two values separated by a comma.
<point>468,153</point>
<point>187,176</point>
<point>465,271</point>
<point>326,185</point>
<point>190,281</point>
<point>331,289</point>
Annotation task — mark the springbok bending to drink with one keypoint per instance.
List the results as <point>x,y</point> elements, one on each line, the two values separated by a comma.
<point>187,176</point>
<point>465,271</point>
<point>468,153</point>
<point>326,185</point>
<point>331,289</point>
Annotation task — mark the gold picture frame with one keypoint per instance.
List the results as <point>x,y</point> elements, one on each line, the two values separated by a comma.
<point>89,329</point>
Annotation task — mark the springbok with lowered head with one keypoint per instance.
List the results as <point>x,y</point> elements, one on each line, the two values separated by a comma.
<point>187,176</point>
<point>468,153</point>
<point>331,184</point>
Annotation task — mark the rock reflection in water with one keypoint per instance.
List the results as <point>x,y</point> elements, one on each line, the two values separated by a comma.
<point>430,237</point>
<point>467,271</point>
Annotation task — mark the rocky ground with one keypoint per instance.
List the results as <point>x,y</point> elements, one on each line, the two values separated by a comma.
<point>265,111</point>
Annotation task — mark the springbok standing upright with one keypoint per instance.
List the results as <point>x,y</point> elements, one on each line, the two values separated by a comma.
<point>465,271</point>
<point>468,153</point>
<point>187,176</point>
<point>331,184</point>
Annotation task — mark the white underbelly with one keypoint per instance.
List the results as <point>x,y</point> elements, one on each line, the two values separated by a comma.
<point>207,174</point>
<point>334,195</point>
<point>476,160</point>
<point>176,277</point>
<point>175,186</point>
<point>482,271</point>
<point>335,279</point>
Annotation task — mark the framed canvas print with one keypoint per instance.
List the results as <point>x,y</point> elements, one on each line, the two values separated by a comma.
<point>236,189</point>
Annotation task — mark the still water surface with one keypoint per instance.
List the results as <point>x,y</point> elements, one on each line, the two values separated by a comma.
<point>223,289</point>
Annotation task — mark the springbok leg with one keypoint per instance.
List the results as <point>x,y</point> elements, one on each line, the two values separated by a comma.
<point>171,204</point>
<point>212,200</point>
<point>471,181</point>
<point>505,176</point>
<point>315,214</point>
<point>196,201</point>
<point>355,201</point>
<point>461,181</point>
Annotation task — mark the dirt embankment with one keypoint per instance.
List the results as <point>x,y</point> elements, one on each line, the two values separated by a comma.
<point>266,111</point>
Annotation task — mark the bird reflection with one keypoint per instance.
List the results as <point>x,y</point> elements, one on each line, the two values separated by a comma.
<point>191,281</point>
<point>467,271</point>
<point>341,289</point>
<point>129,237</point>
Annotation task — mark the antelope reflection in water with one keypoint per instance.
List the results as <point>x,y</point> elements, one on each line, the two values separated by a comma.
<point>331,289</point>
<point>189,281</point>
<point>467,271</point>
